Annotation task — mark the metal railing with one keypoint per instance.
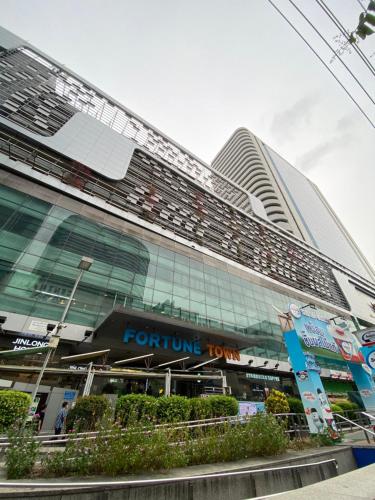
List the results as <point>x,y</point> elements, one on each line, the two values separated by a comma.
<point>296,425</point>
<point>355,425</point>
<point>50,439</point>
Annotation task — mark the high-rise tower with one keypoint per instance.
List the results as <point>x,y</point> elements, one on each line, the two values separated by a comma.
<point>290,199</point>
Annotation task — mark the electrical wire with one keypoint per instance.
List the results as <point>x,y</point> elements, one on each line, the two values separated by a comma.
<point>323,62</point>
<point>332,50</point>
<point>361,4</point>
<point>338,24</point>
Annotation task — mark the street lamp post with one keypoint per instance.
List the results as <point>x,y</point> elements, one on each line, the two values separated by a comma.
<point>83,266</point>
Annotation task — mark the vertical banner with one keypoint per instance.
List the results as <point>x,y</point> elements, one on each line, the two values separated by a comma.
<point>307,373</point>
<point>315,337</point>
<point>362,375</point>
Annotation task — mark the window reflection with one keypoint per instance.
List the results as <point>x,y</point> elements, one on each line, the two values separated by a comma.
<point>41,245</point>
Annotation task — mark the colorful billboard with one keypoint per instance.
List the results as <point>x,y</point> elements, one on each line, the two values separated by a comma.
<point>326,340</point>
<point>309,337</point>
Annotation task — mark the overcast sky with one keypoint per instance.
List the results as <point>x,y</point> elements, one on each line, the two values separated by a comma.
<point>198,69</point>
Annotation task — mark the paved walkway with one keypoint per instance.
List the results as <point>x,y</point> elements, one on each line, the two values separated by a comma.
<point>356,485</point>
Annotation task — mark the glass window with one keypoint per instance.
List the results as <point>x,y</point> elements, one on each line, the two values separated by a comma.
<point>197,295</point>
<point>197,307</point>
<point>213,312</point>
<point>180,291</point>
<point>165,263</point>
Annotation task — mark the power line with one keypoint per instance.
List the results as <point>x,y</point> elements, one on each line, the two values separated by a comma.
<point>338,24</point>
<point>324,63</point>
<point>361,4</point>
<point>332,49</point>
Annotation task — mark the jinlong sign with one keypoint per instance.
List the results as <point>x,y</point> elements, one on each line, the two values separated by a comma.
<point>177,344</point>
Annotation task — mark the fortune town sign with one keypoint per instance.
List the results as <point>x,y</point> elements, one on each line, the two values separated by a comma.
<point>177,344</point>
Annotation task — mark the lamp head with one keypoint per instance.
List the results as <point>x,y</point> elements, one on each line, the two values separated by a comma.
<point>85,263</point>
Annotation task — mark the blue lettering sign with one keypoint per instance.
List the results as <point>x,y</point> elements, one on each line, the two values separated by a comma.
<point>197,348</point>
<point>157,341</point>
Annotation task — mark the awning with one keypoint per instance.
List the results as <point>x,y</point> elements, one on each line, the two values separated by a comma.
<point>110,334</point>
<point>23,352</point>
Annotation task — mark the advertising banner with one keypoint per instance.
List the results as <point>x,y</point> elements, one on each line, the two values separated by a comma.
<point>250,407</point>
<point>369,355</point>
<point>307,373</point>
<point>315,337</point>
<point>327,340</point>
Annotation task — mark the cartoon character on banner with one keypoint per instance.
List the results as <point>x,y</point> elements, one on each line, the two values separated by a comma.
<point>313,412</point>
<point>317,420</point>
<point>347,343</point>
<point>327,414</point>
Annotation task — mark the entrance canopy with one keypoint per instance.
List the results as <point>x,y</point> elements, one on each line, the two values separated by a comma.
<point>130,332</point>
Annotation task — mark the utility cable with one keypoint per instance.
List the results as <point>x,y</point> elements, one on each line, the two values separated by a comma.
<point>338,24</point>
<point>332,50</point>
<point>361,4</point>
<point>324,63</point>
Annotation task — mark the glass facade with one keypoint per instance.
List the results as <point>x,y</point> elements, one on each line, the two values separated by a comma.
<point>41,245</point>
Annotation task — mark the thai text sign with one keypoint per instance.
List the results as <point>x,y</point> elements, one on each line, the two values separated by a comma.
<point>323,339</point>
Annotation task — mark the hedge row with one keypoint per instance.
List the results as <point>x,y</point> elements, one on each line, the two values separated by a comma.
<point>339,406</point>
<point>140,407</point>
<point>87,412</point>
<point>14,406</point>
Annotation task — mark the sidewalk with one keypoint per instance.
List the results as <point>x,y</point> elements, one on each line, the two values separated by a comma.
<point>356,485</point>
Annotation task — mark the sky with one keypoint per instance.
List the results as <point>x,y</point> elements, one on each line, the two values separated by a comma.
<point>199,69</point>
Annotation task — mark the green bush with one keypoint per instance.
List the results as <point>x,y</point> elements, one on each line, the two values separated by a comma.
<point>295,405</point>
<point>14,406</point>
<point>277,402</point>
<point>266,435</point>
<point>223,406</point>
<point>21,454</point>
<point>115,451</point>
<point>348,407</point>
<point>336,409</point>
<point>172,409</point>
<point>200,408</point>
<point>135,408</point>
<point>87,413</point>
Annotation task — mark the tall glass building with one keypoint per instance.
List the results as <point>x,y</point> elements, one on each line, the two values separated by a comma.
<point>182,254</point>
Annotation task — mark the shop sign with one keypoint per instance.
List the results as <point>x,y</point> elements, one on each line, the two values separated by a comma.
<point>260,376</point>
<point>366,337</point>
<point>250,407</point>
<point>158,341</point>
<point>38,326</point>
<point>217,351</point>
<point>177,344</point>
<point>25,343</point>
<point>341,375</point>
<point>69,395</point>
